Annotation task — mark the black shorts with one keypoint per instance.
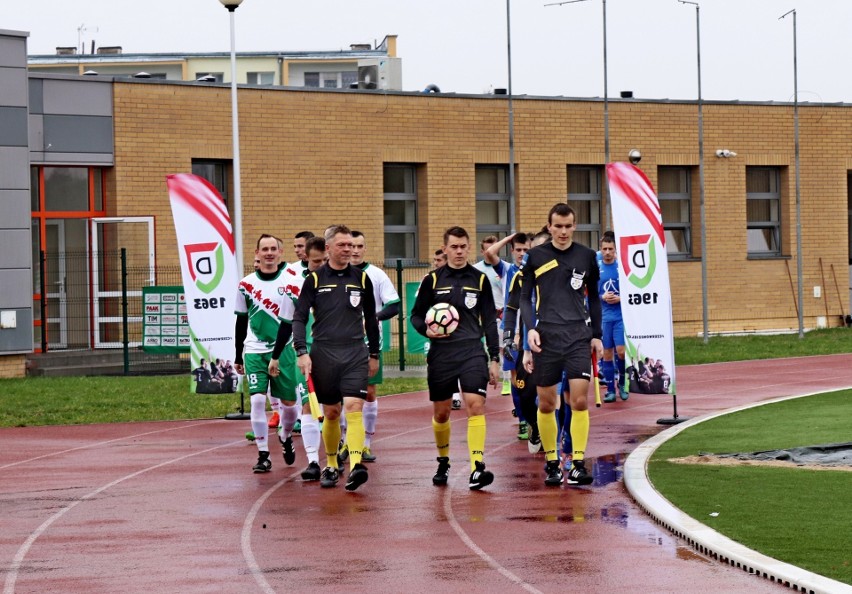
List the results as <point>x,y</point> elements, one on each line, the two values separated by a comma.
<point>449,365</point>
<point>339,371</point>
<point>563,349</point>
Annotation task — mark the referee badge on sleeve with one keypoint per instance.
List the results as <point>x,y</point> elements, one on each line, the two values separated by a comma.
<point>470,300</point>
<point>355,298</point>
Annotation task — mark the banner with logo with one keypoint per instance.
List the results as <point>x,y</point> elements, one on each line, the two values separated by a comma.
<point>209,271</point>
<point>643,275</point>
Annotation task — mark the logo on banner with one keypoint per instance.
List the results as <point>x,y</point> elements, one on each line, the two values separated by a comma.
<point>639,258</point>
<point>206,264</point>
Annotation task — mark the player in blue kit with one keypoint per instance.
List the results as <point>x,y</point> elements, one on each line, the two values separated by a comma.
<point>612,323</point>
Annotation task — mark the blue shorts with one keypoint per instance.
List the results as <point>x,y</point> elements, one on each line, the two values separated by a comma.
<point>613,333</point>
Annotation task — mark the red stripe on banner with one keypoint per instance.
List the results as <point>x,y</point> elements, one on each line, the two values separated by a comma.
<point>636,187</point>
<point>180,188</point>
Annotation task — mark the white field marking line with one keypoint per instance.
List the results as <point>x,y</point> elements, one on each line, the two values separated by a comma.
<point>12,575</point>
<point>468,541</point>
<point>102,443</point>
<point>245,537</point>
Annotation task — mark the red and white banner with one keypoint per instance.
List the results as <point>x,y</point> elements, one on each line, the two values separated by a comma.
<point>209,271</point>
<point>643,275</point>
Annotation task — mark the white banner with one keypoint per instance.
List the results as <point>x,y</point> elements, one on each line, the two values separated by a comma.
<point>643,275</point>
<point>209,272</point>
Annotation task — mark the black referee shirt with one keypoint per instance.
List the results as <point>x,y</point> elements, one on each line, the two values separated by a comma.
<point>343,307</point>
<point>559,279</point>
<point>468,290</point>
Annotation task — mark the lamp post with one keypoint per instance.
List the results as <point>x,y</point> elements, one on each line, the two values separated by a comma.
<point>512,227</point>
<point>704,242</point>
<point>606,99</point>
<point>801,290</point>
<point>232,6</point>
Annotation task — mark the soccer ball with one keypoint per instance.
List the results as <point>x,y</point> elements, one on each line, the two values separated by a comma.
<point>442,318</point>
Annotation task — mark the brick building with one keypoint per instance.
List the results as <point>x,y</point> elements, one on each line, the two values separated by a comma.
<point>404,166</point>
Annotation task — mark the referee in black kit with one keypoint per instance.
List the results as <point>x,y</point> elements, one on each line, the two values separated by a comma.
<point>341,297</point>
<point>460,357</point>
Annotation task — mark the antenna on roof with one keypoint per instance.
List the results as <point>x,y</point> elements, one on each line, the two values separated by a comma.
<point>83,29</point>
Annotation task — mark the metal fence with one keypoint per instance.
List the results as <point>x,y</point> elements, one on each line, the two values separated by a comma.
<point>92,301</point>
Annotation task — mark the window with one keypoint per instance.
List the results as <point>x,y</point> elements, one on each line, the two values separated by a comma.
<point>400,212</point>
<point>763,210</point>
<point>584,196</point>
<point>331,80</point>
<point>216,172</point>
<point>217,76</point>
<point>260,78</point>
<point>492,201</point>
<point>675,202</point>
<point>66,189</point>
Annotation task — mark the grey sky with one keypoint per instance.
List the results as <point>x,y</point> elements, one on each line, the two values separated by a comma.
<point>460,45</point>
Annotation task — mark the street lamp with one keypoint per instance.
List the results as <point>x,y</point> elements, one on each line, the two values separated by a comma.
<point>606,98</point>
<point>512,228</point>
<point>232,5</point>
<point>704,242</point>
<point>801,306</point>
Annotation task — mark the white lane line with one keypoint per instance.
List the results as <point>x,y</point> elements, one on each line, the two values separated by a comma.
<point>14,568</point>
<point>102,443</point>
<point>245,537</point>
<point>469,543</point>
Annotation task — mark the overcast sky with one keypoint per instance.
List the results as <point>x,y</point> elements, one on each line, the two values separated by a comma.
<point>460,45</point>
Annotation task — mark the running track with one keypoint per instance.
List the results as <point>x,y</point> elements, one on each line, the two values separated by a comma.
<point>174,506</point>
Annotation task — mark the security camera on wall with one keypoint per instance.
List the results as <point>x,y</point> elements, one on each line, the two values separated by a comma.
<point>635,156</point>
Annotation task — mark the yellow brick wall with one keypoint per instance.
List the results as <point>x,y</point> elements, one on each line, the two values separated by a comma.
<point>310,159</point>
<point>13,365</point>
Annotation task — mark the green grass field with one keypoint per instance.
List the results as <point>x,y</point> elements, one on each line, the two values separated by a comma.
<point>78,400</point>
<point>796,515</point>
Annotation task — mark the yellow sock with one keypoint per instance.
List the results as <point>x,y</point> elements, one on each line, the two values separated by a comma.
<point>354,437</point>
<point>579,432</point>
<point>442,437</point>
<point>547,430</point>
<point>331,440</point>
<point>476,439</point>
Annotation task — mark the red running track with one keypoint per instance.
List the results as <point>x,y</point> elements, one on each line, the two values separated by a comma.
<point>174,506</point>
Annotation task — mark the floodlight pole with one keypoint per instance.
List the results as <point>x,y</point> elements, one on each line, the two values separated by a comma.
<point>512,222</point>
<point>704,242</point>
<point>232,5</point>
<point>606,106</point>
<point>799,273</point>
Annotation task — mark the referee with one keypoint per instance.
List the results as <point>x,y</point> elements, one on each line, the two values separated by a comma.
<point>341,297</point>
<point>562,334</point>
<point>460,357</point>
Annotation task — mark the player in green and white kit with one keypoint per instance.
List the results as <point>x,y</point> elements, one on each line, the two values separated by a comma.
<point>310,427</point>
<point>387,306</point>
<point>261,301</point>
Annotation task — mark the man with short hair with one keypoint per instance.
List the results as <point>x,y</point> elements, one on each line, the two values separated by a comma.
<point>341,298</point>
<point>612,322</point>
<point>495,269</point>
<point>439,258</point>
<point>561,334</point>
<point>308,425</point>
<point>299,244</point>
<point>387,306</point>
<point>261,299</point>
<point>458,358</point>
<point>520,246</point>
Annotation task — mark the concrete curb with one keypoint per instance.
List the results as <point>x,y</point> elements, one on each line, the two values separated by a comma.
<point>703,538</point>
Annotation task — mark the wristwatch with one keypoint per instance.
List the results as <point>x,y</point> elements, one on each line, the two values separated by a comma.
<point>301,352</point>
<point>495,358</point>
<point>374,356</point>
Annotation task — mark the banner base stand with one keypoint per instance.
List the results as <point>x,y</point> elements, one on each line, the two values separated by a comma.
<point>671,420</point>
<point>674,419</point>
<point>242,415</point>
